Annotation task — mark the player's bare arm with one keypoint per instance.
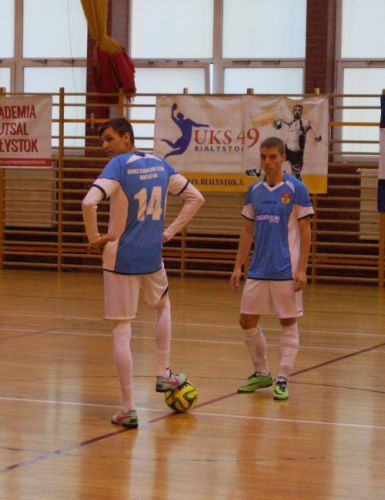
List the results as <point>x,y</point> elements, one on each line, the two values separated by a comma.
<point>300,278</point>
<point>245,241</point>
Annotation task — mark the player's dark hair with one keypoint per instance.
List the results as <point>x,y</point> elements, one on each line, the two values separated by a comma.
<point>273,142</point>
<point>119,125</point>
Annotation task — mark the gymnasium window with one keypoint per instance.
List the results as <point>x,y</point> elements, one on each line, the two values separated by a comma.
<point>151,81</point>
<point>265,80</point>
<point>43,46</point>
<point>222,36</point>
<point>248,29</point>
<point>5,78</point>
<point>54,78</point>
<point>7,28</point>
<point>215,46</point>
<point>63,36</point>
<point>41,56</point>
<point>175,29</point>
<point>361,70</point>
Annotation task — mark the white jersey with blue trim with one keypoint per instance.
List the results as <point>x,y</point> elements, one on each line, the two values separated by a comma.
<point>276,211</point>
<point>137,184</point>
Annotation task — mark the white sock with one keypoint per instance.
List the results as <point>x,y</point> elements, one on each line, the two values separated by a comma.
<point>256,345</point>
<point>163,337</point>
<point>289,344</point>
<point>121,335</point>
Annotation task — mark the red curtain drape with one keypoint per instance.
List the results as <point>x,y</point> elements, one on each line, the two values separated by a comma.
<point>112,67</point>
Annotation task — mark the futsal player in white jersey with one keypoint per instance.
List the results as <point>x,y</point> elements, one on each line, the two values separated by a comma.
<point>136,183</point>
<point>277,215</point>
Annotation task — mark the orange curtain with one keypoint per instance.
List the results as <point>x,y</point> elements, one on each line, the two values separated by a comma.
<point>96,12</point>
<point>112,67</point>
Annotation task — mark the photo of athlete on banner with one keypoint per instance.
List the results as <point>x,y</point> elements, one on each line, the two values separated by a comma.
<point>295,144</point>
<point>214,141</point>
<point>302,124</point>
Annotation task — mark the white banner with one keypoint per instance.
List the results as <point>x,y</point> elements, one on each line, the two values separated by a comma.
<point>215,140</point>
<point>25,131</point>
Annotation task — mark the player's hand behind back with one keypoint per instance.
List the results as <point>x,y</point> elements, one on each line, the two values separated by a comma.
<point>98,246</point>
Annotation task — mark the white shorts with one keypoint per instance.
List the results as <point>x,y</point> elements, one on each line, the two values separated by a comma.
<point>121,292</point>
<point>262,297</point>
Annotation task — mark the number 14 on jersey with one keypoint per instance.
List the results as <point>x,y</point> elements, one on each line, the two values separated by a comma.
<point>149,206</point>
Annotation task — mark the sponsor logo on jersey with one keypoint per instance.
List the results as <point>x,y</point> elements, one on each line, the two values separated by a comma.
<point>286,198</point>
<point>272,219</point>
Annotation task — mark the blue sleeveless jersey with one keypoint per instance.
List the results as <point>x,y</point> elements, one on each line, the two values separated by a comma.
<point>137,209</point>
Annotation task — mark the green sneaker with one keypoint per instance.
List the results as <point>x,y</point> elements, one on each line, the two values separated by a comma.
<point>164,384</point>
<point>281,390</point>
<point>256,381</point>
<point>126,419</point>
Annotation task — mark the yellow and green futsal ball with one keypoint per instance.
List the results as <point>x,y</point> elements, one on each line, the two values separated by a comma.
<point>183,398</point>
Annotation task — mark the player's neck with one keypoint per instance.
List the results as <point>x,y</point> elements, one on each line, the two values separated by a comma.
<point>274,180</point>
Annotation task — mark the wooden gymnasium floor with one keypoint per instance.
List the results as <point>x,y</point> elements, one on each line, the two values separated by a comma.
<point>59,388</point>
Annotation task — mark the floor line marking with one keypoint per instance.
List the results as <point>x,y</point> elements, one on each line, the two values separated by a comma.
<point>335,360</point>
<point>200,413</point>
<point>70,403</point>
<point>291,420</point>
<point>21,335</point>
<point>168,415</point>
<point>197,325</point>
<point>60,331</point>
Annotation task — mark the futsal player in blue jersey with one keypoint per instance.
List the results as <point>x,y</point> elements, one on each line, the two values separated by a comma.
<point>136,184</point>
<point>277,215</point>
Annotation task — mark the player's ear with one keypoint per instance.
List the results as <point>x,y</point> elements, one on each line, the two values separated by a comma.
<point>127,137</point>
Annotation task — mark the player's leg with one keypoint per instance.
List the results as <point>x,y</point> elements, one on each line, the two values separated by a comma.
<point>155,289</point>
<point>178,151</point>
<point>255,342</point>
<point>254,303</point>
<point>121,295</point>
<point>288,350</point>
<point>163,335</point>
<point>293,159</point>
<point>288,307</point>
<point>169,143</point>
<point>165,379</point>
<point>288,346</point>
<point>121,334</point>
<point>300,164</point>
<point>297,164</point>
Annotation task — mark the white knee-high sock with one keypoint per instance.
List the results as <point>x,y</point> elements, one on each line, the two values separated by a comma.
<point>121,335</point>
<point>163,336</point>
<point>256,345</point>
<point>289,344</point>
